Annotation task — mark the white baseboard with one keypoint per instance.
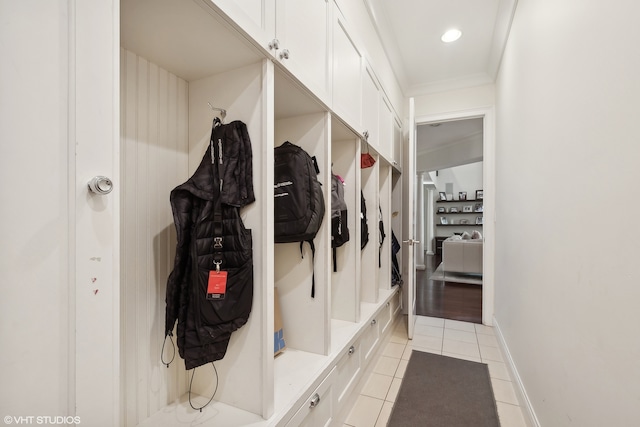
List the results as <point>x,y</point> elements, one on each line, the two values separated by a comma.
<point>525,404</point>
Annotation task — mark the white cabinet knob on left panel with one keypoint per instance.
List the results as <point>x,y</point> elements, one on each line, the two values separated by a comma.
<point>101,185</point>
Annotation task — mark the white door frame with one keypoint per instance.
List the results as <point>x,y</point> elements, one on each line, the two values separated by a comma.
<point>489,186</point>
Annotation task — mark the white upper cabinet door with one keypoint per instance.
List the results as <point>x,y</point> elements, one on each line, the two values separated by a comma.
<point>397,144</point>
<point>347,73</point>
<point>370,108</point>
<point>386,128</point>
<point>255,17</point>
<point>303,39</point>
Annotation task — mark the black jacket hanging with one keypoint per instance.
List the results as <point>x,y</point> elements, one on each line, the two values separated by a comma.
<point>210,234</point>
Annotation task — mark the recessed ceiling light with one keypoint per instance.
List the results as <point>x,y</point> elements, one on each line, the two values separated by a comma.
<point>451,35</point>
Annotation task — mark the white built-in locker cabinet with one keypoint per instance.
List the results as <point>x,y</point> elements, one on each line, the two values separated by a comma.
<point>347,73</point>
<point>293,33</point>
<point>170,71</point>
<point>370,107</point>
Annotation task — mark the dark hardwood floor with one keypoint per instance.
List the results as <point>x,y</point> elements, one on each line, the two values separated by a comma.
<point>448,300</point>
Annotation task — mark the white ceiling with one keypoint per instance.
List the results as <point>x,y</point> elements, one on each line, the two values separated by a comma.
<point>410,31</point>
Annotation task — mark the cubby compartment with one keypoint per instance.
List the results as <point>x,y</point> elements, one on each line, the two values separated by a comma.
<point>345,276</point>
<point>369,253</point>
<point>385,215</point>
<point>173,84</point>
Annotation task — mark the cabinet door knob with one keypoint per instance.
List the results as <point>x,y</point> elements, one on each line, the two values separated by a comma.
<point>314,401</point>
<point>374,321</point>
<point>284,54</point>
<point>352,350</point>
<point>274,44</point>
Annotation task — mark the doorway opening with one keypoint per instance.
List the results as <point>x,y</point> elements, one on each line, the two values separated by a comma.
<point>449,207</point>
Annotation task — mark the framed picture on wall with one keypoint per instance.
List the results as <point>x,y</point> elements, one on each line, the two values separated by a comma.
<point>462,195</point>
<point>479,194</point>
<point>443,195</point>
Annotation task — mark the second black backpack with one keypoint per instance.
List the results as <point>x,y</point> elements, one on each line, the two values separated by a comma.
<point>339,220</point>
<point>298,200</point>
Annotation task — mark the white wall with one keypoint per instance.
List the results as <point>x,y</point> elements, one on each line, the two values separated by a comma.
<point>455,100</point>
<point>464,178</point>
<point>468,151</point>
<point>567,277</point>
<point>34,219</point>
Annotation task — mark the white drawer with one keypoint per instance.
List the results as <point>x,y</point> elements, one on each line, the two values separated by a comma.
<point>369,340</point>
<point>384,318</point>
<point>318,409</point>
<point>347,372</point>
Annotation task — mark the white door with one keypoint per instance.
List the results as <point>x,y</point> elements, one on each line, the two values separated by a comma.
<point>59,257</point>
<point>409,221</point>
<point>94,143</point>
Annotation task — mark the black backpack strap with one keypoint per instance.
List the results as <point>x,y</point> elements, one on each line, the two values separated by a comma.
<point>313,265</point>
<point>335,266</point>
<point>218,179</point>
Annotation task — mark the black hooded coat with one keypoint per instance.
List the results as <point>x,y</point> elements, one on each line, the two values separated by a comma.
<point>205,210</point>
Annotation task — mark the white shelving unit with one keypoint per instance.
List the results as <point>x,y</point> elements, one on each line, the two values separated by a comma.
<point>177,57</point>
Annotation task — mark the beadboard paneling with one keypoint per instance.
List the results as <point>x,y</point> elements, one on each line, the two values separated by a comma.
<point>154,159</point>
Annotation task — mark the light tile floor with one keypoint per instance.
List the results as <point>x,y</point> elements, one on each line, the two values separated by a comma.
<point>463,340</point>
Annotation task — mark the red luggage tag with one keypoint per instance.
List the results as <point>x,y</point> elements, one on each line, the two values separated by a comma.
<point>217,286</point>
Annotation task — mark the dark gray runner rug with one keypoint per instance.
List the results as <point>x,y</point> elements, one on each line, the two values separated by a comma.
<point>441,391</point>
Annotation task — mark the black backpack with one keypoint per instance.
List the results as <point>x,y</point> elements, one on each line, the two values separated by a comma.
<point>364,226</point>
<point>339,228</point>
<point>298,200</point>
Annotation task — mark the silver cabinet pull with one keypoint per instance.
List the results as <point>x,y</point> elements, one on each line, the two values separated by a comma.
<point>314,401</point>
<point>284,54</point>
<point>352,350</point>
<point>374,321</point>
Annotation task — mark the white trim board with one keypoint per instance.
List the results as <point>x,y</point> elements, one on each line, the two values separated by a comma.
<point>528,412</point>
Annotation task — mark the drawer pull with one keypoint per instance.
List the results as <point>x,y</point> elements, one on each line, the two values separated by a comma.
<point>314,401</point>
<point>352,350</point>
<point>374,321</point>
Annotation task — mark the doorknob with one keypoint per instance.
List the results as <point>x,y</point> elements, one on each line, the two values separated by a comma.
<point>101,185</point>
<point>411,242</point>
